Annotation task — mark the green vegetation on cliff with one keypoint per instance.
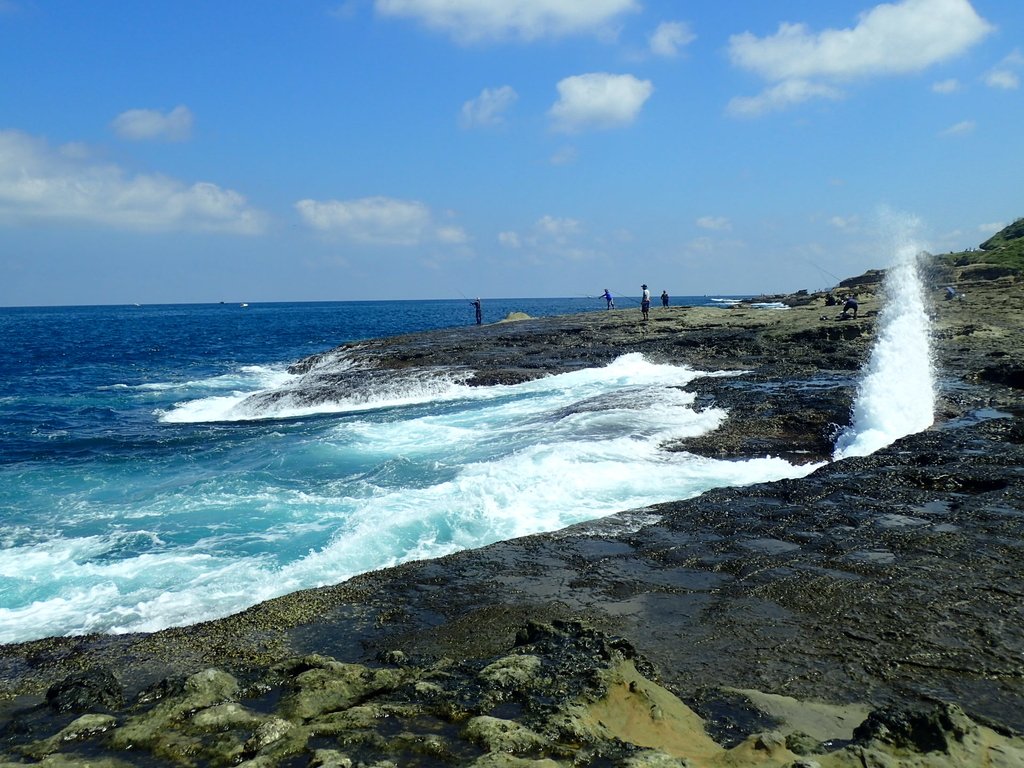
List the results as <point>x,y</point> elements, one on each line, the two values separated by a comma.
<point>1005,249</point>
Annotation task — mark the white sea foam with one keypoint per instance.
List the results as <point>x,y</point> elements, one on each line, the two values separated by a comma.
<point>896,396</point>
<point>379,487</point>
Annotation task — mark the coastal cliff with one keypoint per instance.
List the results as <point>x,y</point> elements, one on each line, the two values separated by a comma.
<point>871,613</point>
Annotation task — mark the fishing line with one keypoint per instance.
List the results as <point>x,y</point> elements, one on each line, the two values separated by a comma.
<point>621,295</point>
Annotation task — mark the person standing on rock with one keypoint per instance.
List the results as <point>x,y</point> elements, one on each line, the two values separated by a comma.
<point>664,298</point>
<point>645,302</point>
<point>479,310</point>
<point>609,301</point>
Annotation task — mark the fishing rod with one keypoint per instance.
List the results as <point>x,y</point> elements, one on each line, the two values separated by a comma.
<point>825,271</point>
<point>621,295</point>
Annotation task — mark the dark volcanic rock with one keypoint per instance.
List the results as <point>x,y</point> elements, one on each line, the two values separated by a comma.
<point>91,690</point>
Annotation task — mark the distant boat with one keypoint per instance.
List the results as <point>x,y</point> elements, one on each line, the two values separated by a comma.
<point>244,305</point>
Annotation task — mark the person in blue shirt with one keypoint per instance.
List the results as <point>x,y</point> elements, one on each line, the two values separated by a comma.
<point>609,301</point>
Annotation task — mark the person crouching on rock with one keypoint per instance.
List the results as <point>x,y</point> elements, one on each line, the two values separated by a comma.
<point>849,306</point>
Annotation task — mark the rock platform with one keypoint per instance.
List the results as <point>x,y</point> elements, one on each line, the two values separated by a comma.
<point>871,613</point>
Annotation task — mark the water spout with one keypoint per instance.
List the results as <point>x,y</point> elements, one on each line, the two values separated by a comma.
<point>897,394</point>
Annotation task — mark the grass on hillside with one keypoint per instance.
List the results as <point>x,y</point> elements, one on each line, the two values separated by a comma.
<point>1005,248</point>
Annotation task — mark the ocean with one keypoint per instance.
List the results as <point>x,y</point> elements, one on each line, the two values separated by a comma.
<point>136,494</point>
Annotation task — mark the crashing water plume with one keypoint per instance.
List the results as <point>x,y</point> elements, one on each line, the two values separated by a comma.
<point>897,394</point>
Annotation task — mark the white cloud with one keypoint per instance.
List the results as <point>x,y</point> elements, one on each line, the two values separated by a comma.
<point>701,245</point>
<point>960,129</point>
<point>598,100</point>
<point>845,223</point>
<point>565,156</point>
<point>551,237</point>
<point>989,229</point>
<point>670,36</point>
<point>477,20</point>
<point>1002,78</point>
<point>143,124</point>
<point>559,229</point>
<point>1005,74</point>
<point>510,240</point>
<point>891,38</point>
<point>378,221</point>
<point>907,36</point>
<point>946,86</point>
<point>451,235</point>
<point>780,96</point>
<point>489,107</point>
<point>39,183</point>
<point>344,11</point>
<point>714,222</point>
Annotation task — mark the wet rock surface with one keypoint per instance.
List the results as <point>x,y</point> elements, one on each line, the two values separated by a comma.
<point>892,584</point>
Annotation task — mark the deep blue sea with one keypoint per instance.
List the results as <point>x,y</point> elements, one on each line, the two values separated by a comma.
<point>136,493</point>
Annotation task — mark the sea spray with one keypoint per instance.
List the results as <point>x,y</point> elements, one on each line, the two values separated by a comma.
<point>897,394</point>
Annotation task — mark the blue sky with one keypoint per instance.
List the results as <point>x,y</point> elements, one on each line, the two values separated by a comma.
<point>195,151</point>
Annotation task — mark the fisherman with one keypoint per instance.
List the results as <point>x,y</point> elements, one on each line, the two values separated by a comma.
<point>664,298</point>
<point>645,302</point>
<point>609,301</point>
<point>479,310</point>
<point>849,306</point>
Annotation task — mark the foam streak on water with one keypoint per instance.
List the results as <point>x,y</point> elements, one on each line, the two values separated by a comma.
<point>896,397</point>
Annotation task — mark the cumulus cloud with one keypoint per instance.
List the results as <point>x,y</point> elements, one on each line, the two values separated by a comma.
<point>960,129</point>
<point>378,221</point>
<point>1005,74</point>
<point>780,96</point>
<point>147,124</point>
<point>890,39</point>
<point>40,183</point>
<point>713,222</point>
<point>488,108</point>
<point>598,100</point>
<point>479,20</point>
<point>669,37</point>
<point>908,36</point>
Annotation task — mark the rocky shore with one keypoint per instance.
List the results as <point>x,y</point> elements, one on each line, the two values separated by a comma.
<point>869,614</point>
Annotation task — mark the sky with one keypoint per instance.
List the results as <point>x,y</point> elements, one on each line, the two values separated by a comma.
<point>271,150</point>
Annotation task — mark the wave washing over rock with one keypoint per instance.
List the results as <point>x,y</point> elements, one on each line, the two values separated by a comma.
<point>868,613</point>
